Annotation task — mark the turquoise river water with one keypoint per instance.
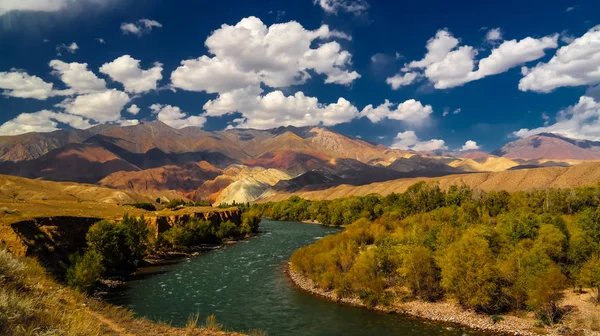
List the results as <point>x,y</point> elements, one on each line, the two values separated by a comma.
<point>245,286</point>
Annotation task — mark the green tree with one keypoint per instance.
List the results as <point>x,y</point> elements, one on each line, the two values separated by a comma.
<point>85,271</point>
<point>420,273</point>
<point>589,276</point>
<point>468,271</point>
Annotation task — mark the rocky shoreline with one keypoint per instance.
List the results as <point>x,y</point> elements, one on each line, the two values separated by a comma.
<point>445,312</point>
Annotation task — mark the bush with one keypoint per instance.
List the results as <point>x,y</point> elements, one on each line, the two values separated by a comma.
<point>85,271</point>
<point>143,206</point>
<point>121,245</point>
<point>227,230</point>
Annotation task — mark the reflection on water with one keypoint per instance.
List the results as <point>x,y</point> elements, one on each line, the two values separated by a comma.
<point>244,285</point>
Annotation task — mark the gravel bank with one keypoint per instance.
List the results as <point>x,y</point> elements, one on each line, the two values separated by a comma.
<point>449,312</point>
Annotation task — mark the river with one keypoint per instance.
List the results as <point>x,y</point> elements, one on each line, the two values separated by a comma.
<point>244,285</point>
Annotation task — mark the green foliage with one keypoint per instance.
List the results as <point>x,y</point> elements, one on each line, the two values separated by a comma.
<point>492,251</point>
<point>589,276</point>
<point>85,271</point>
<point>468,272</point>
<point>121,245</point>
<point>144,206</point>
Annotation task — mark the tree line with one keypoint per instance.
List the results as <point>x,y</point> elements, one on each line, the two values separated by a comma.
<point>117,247</point>
<point>492,251</point>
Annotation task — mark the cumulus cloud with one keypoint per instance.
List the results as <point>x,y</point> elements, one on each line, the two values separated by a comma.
<point>127,71</point>
<point>278,56</point>
<point>71,48</point>
<point>400,80</point>
<point>101,106</point>
<point>447,65</point>
<point>20,84</point>
<point>408,140</point>
<point>174,117</point>
<point>355,7</point>
<point>580,121</point>
<point>469,145</point>
<point>276,109</point>
<point>42,121</point>
<point>140,27</point>
<point>133,109</point>
<point>493,35</point>
<point>575,64</point>
<point>411,112</point>
<point>77,77</point>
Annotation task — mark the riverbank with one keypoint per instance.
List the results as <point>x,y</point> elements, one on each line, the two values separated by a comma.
<point>449,312</point>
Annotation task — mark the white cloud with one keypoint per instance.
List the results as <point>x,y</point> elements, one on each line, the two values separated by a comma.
<point>127,71</point>
<point>44,5</point>
<point>77,77</point>
<point>42,121</point>
<point>71,48</point>
<point>330,60</point>
<point>411,112</point>
<point>400,80</point>
<point>494,34</point>
<point>174,117</point>
<point>275,109</point>
<point>211,75</point>
<point>447,111</point>
<point>100,40</point>
<point>469,145</point>
<point>408,140</point>
<point>448,65</point>
<point>139,28</point>
<point>438,48</point>
<point>278,56</point>
<point>102,106</point>
<point>355,7</point>
<point>128,122</point>
<point>512,53</point>
<point>19,84</point>
<point>570,9</point>
<point>575,64</point>
<point>581,121</point>
<point>133,109</point>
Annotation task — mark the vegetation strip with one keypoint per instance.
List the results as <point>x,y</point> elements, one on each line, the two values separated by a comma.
<point>497,254</point>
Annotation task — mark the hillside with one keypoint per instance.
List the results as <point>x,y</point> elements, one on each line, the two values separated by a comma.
<point>553,177</point>
<point>551,147</point>
<point>186,178</point>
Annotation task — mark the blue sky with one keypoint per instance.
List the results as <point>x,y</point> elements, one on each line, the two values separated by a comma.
<point>303,62</point>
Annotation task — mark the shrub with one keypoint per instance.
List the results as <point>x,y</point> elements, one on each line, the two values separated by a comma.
<point>144,206</point>
<point>85,271</point>
<point>227,230</point>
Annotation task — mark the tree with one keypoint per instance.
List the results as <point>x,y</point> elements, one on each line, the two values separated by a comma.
<point>85,271</point>
<point>589,276</point>
<point>420,273</point>
<point>546,294</point>
<point>468,271</point>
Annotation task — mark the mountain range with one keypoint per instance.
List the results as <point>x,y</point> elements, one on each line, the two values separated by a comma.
<point>246,164</point>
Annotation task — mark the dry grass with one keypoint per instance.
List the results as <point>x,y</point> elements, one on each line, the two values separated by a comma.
<point>32,304</point>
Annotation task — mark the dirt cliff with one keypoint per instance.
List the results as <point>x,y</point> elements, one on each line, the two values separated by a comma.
<point>53,239</point>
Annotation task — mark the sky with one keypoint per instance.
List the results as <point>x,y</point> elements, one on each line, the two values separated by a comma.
<point>422,75</point>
